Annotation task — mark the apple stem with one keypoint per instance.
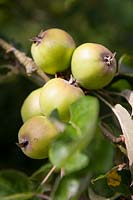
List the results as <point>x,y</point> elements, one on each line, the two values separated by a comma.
<point>22,144</point>
<point>48,175</point>
<point>62,173</point>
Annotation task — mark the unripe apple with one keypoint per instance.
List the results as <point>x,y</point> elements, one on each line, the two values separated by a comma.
<point>93,65</point>
<point>58,94</point>
<point>35,136</point>
<point>31,105</point>
<point>52,50</point>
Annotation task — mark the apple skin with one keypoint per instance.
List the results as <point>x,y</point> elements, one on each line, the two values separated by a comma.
<point>93,66</point>
<point>58,94</point>
<point>31,105</point>
<point>35,137</point>
<point>52,50</point>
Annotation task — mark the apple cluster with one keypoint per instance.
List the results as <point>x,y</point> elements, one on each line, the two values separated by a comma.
<point>39,129</point>
<point>92,66</point>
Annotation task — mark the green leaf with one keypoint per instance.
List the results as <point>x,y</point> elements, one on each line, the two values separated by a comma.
<point>126,65</point>
<point>76,162</point>
<point>77,135</point>
<point>115,181</point>
<point>39,174</point>
<point>60,149</point>
<point>102,152</point>
<point>101,187</point>
<point>22,196</point>
<point>68,188</point>
<point>101,176</point>
<point>126,123</point>
<point>120,85</point>
<point>13,182</point>
<point>94,196</point>
<point>128,95</point>
<point>84,115</point>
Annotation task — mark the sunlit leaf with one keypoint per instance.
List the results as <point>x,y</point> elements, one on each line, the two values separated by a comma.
<point>76,162</point>
<point>68,188</point>
<point>77,135</point>
<point>126,123</point>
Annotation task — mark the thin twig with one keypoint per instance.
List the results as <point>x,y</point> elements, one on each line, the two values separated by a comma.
<point>116,140</point>
<point>108,134</point>
<point>62,172</point>
<point>24,60</point>
<point>48,175</point>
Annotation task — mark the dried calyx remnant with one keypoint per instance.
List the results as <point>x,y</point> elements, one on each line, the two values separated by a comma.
<point>22,144</point>
<point>38,39</point>
<point>108,59</point>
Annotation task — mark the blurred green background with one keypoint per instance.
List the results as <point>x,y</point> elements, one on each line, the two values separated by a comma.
<point>109,22</point>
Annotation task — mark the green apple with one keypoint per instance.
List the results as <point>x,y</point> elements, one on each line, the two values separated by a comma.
<point>35,137</point>
<point>52,50</point>
<point>93,66</point>
<point>59,94</point>
<point>31,105</point>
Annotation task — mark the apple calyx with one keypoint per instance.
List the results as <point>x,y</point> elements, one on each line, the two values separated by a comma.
<point>73,81</point>
<point>38,39</point>
<point>108,59</point>
<point>22,144</point>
